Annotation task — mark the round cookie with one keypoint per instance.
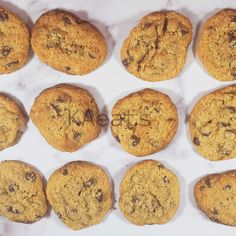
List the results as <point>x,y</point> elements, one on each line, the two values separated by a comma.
<point>66,116</point>
<point>68,44</point>
<point>212,124</point>
<point>149,193</point>
<point>215,195</point>
<point>22,197</point>
<point>217,45</point>
<point>12,122</point>
<point>80,194</point>
<point>144,122</point>
<point>156,48</point>
<point>14,43</point>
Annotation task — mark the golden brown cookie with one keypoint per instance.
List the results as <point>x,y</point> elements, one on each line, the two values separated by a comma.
<point>212,124</point>
<point>68,44</point>
<point>215,195</point>
<point>14,43</point>
<point>22,197</point>
<point>156,48</point>
<point>12,122</point>
<point>217,45</point>
<point>80,194</point>
<point>149,193</point>
<point>144,122</point>
<point>66,116</point>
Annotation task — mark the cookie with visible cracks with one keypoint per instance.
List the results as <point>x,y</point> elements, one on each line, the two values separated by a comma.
<point>212,124</point>
<point>14,43</point>
<point>217,45</point>
<point>215,195</point>
<point>156,48</point>
<point>144,122</point>
<point>80,194</point>
<point>66,116</point>
<point>12,122</point>
<point>22,196</point>
<point>149,193</point>
<point>67,43</point>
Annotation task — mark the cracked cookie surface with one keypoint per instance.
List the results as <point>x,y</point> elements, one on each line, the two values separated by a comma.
<point>68,44</point>
<point>217,45</point>
<point>149,193</point>
<point>22,197</point>
<point>156,48</point>
<point>80,194</point>
<point>144,122</point>
<point>12,122</point>
<point>66,116</point>
<point>215,195</point>
<point>14,43</point>
<point>212,124</point>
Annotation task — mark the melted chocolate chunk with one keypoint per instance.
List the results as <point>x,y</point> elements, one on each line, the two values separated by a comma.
<point>135,140</point>
<point>196,141</point>
<point>3,16</point>
<point>126,63</point>
<point>12,188</point>
<point>88,114</point>
<point>227,187</point>
<point>76,136</point>
<point>65,172</point>
<point>12,63</point>
<point>90,182</point>
<point>99,195</point>
<point>66,20</point>
<point>5,51</point>
<point>12,210</point>
<point>67,68</point>
<point>30,176</point>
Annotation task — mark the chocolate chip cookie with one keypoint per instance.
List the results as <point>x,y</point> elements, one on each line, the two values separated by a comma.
<point>215,195</point>
<point>66,116</point>
<point>212,124</point>
<point>217,45</point>
<point>12,122</point>
<point>22,197</point>
<point>144,122</point>
<point>67,43</point>
<point>156,48</point>
<point>149,193</point>
<point>14,43</point>
<point>80,194</point>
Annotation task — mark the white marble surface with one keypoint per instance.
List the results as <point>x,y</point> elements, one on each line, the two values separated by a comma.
<point>108,83</point>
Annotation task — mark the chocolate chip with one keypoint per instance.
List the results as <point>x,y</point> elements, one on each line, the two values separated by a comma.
<point>12,210</point>
<point>207,182</point>
<point>88,114</point>
<point>30,176</point>
<point>233,19</point>
<point>233,73</point>
<point>184,31</point>
<point>56,108</point>
<point>135,140</point>
<point>3,16</point>
<point>117,138</point>
<point>164,29</point>
<point>77,136</point>
<point>225,124</point>
<point>12,188</point>
<point>5,50</point>
<point>77,122</point>
<point>147,25</point>
<point>231,37</point>
<point>135,199</point>
<point>215,212</point>
<point>126,63</point>
<point>224,151</point>
<point>66,20</point>
<point>227,187</point>
<point>59,215</point>
<point>156,110</point>
<point>67,68</point>
<point>231,109</point>
<point>165,179</point>
<point>90,182</point>
<point>12,63</point>
<point>65,172</point>
<point>99,195</point>
<point>91,56</point>
<point>196,141</point>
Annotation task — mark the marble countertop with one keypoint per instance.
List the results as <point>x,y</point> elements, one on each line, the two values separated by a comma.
<point>108,83</point>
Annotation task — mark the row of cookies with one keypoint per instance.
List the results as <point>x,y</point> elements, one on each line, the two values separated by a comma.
<point>144,122</point>
<point>80,194</point>
<point>155,49</point>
